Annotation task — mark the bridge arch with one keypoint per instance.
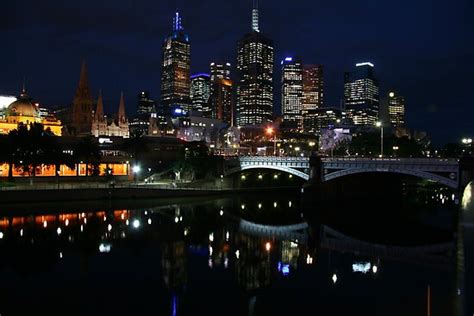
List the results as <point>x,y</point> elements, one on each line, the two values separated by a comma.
<point>417,173</point>
<point>289,170</point>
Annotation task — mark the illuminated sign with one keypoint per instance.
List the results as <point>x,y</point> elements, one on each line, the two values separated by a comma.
<point>105,141</point>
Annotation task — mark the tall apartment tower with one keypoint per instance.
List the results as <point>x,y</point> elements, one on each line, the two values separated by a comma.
<point>292,92</point>
<point>175,76</point>
<point>255,56</point>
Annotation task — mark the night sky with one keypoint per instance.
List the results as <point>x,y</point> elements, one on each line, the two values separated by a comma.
<point>422,48</point>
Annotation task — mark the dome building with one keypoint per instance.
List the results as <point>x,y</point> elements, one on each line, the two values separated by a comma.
<point>23,111</point>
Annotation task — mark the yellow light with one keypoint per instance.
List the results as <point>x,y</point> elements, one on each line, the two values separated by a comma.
<point>391,94</point>
<point>269,130</point>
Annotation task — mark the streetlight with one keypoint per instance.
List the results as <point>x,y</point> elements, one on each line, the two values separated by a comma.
<point>136,169</point>
<point>380,125</point>
<point>270,131</point>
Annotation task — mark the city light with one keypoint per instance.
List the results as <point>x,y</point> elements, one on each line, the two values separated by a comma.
<point>374,269</point>
<point>109,227</point>
<point>149,221</point>
<point>104,248</point>
<point>242,177</point>
<point>260,177</point>
<point>136,223</point>
<point>58,231</point>
<point>1,235</point>
<point>136,169</point>
<point>334,278</point>
<point>467,141</point>
<point>362,267</point>
<point>268,246</point>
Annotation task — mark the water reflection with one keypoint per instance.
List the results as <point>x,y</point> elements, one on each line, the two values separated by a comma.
<point>234,252</point>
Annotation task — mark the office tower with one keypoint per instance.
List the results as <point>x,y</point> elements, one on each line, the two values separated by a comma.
<point>292,92</point>
<point>175,79</point>
<point>145,104</point>
<point>361,94</point>
<point>201,93</point>
<point>396,109</point>
<point>255,76</point>
<point>220,71</point>
<point>313,92</point>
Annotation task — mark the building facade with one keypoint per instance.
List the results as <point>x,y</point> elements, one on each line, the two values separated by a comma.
<point>201,93</point>
<point>175,76</point>
<point>361,94</point>
<point>220,71</point>
<point>292,92</point>
<point>255,56</point>
<point>23,111</point>
<point>396,109</point>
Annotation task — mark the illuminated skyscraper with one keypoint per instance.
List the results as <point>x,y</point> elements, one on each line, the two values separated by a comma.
<point>200,94</point>
<point>255,76</point>
<point>175,79</point>
<point>222,104</point>
<point>396,109</point>
<point>220,71</point>
<point>292,92</point>
<point>361,94</point>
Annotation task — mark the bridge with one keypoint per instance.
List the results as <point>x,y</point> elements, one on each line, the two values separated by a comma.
<point>444,171</point>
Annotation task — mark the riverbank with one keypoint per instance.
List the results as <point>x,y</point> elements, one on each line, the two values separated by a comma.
<point>99,193</point>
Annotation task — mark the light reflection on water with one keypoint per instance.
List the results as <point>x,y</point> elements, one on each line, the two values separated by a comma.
<point>185,250</point>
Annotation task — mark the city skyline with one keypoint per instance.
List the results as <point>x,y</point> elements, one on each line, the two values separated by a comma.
<point>417,71</point>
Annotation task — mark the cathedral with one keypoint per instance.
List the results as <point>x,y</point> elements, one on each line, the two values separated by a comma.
<point>103,126</point>
<point>84,120</point>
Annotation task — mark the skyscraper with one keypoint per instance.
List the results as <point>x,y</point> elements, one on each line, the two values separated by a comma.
<point>145,104</point>
<point>313,92</point>
<point>292,92</point>
<point>361,94</point>
<point>313,87</point>
<point>220,71</point>
<point>255,76</point>
<point>82,106</point>
<point>222,104</point>
<point>396,109</point>
<point>175,80</point>
<point>201,93</point>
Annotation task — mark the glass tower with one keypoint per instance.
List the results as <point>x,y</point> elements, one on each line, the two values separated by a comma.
<point>175,76</point>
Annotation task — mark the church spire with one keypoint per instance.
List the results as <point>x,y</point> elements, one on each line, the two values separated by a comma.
<point>177,23</point>
<point>121,110</point>
<point>255,26</point>
<point>82,91</point>
<point>99,112</point>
